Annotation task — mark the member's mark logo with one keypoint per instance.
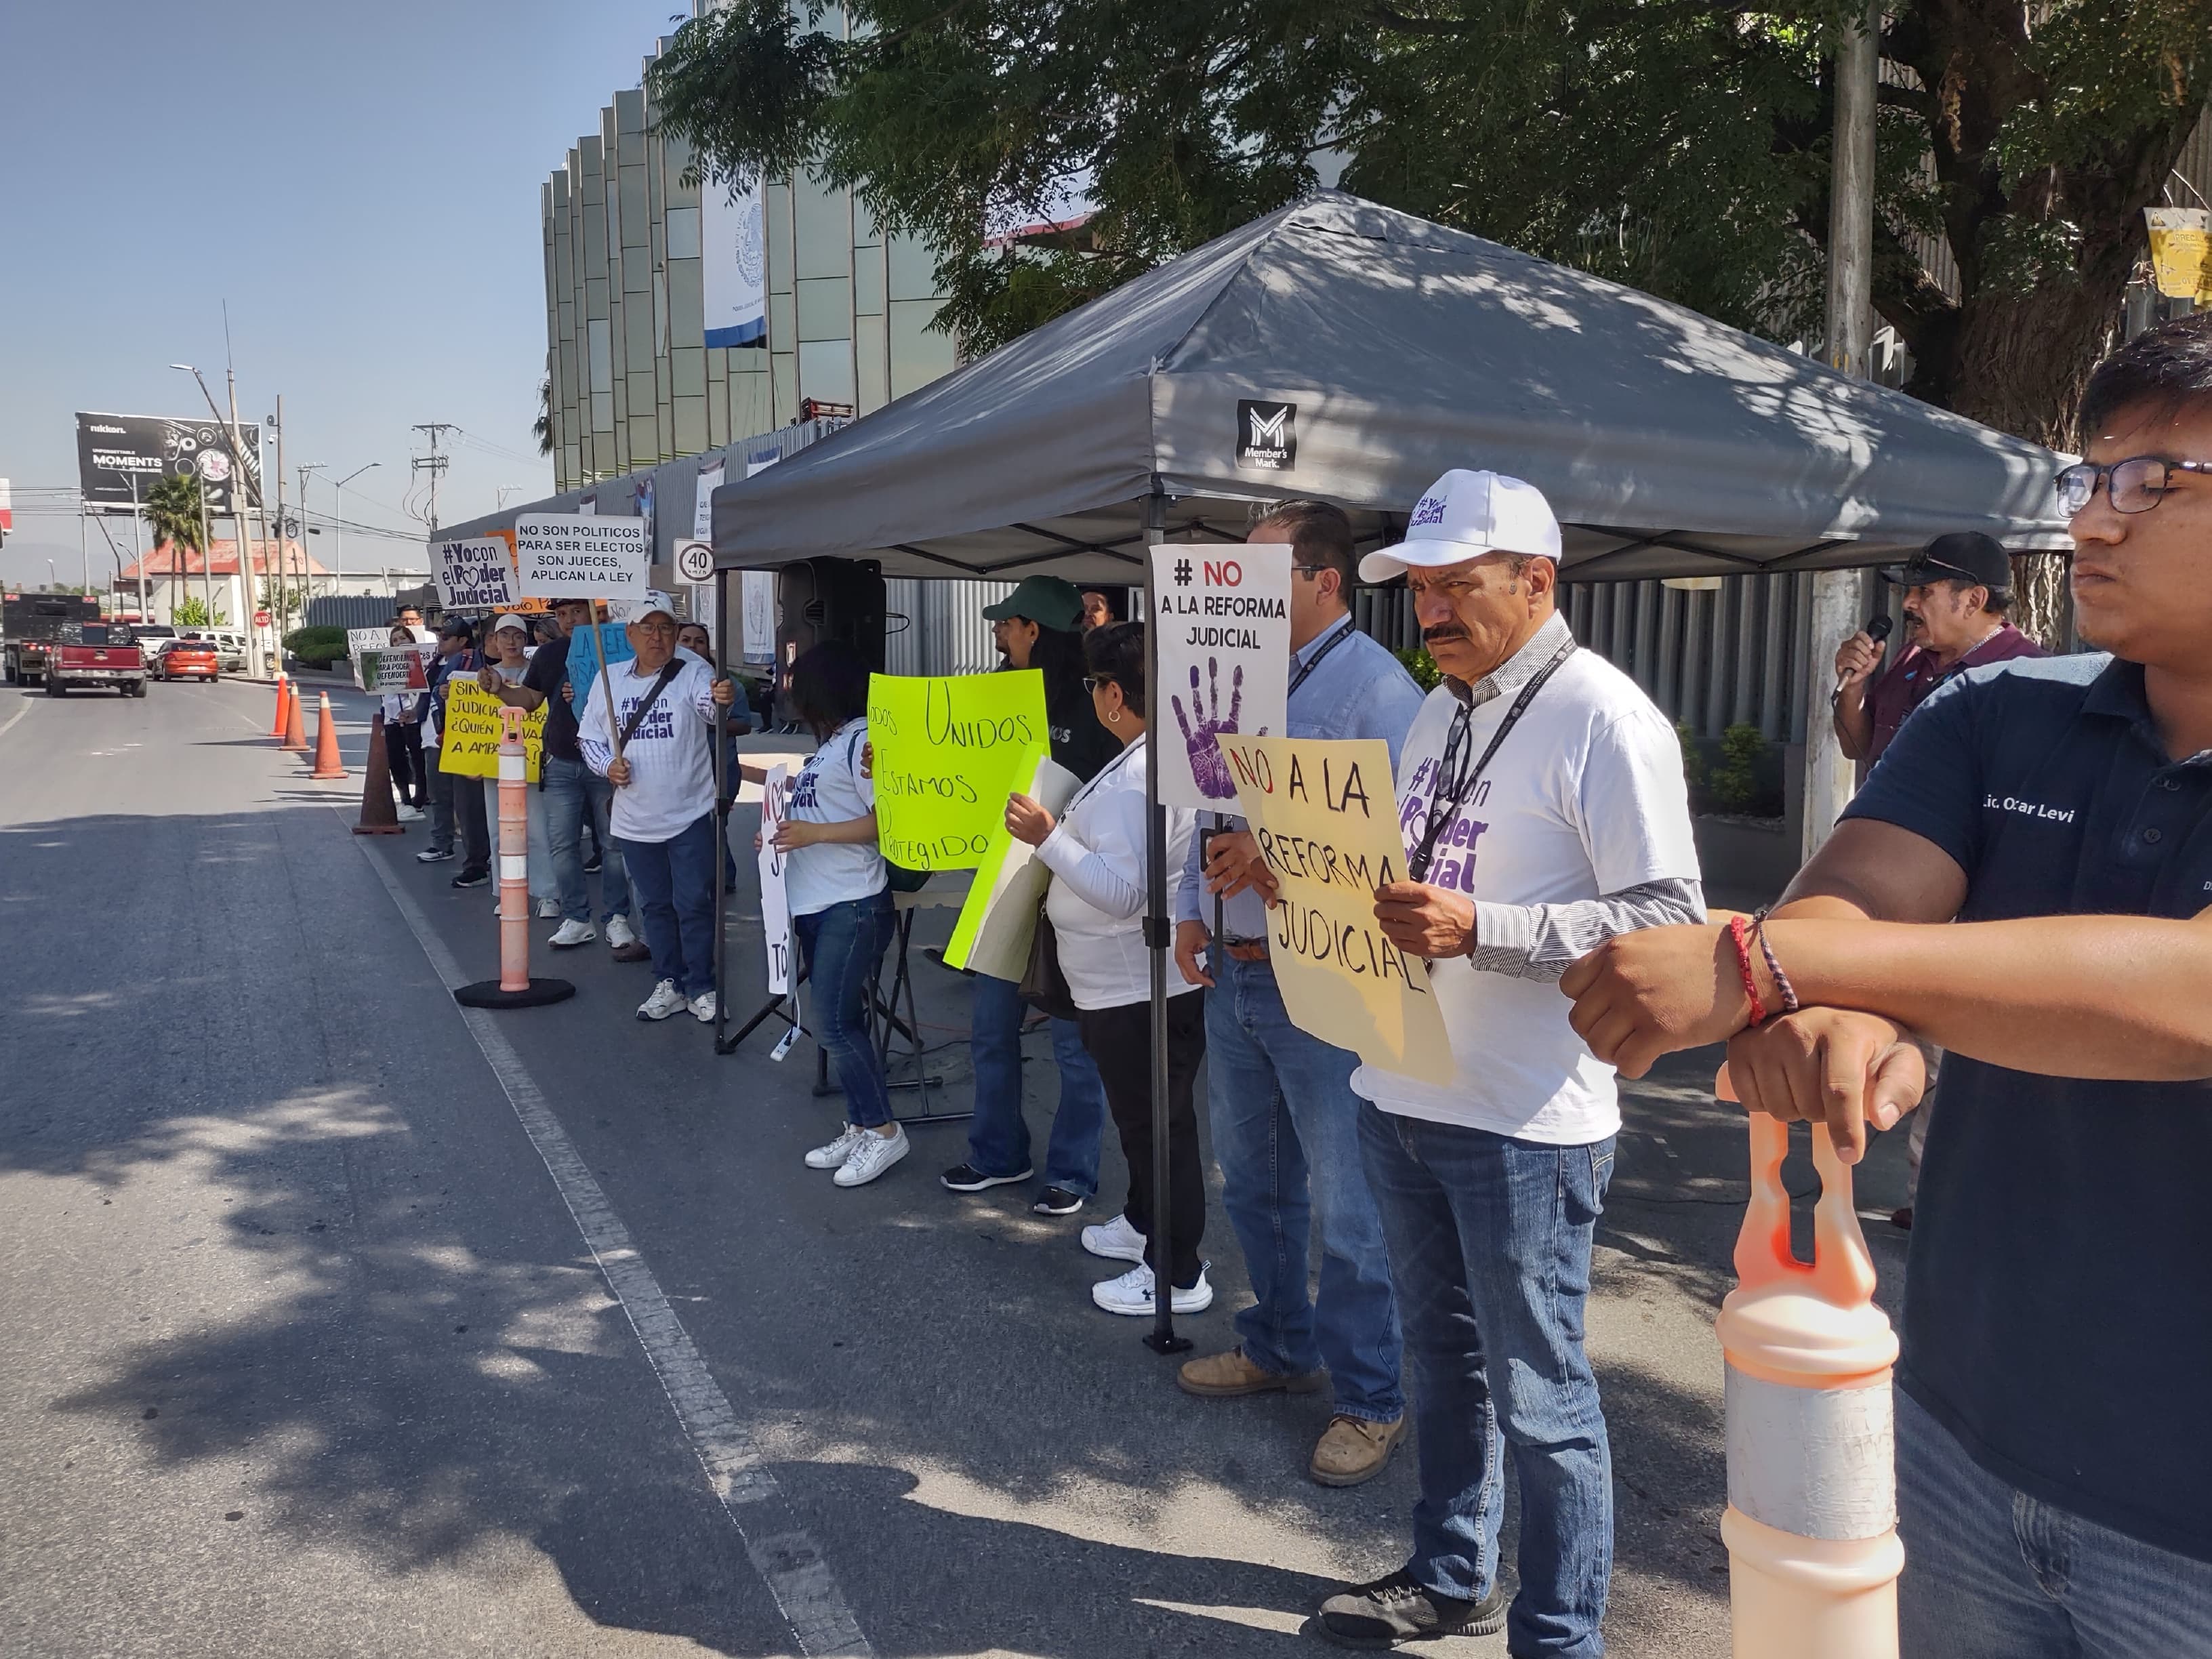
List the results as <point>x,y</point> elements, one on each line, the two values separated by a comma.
<point>1266,435</point>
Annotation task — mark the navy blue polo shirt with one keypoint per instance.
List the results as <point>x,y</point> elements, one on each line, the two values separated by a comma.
<point>2058,1305</point>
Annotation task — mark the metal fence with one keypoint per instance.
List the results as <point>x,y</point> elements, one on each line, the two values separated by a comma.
<point>351,611</point>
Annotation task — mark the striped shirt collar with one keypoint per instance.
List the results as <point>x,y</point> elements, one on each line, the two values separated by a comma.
<point>1517,670</point>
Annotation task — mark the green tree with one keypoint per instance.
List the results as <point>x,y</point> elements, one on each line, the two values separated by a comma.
<point>172,512</point>
<point>192,611</point>
<point>542,428</point>
<point>1678,145</point>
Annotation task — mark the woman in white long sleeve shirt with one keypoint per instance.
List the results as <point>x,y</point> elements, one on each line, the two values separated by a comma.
<point>1096,907</point>
<point>403,742</point>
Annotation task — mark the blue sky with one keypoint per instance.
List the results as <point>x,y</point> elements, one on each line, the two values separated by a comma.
<point>359,181</point>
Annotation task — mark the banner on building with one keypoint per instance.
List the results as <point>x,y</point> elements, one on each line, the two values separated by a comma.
<point>116,452</point>
<point>757,592</point>
<point>1225,623</point>
<point>703,502</point>
<point>948,752</point>
<point>734,262</point>
<point>1327,821</point>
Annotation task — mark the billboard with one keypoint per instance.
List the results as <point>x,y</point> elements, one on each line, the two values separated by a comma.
<point>114,450</point>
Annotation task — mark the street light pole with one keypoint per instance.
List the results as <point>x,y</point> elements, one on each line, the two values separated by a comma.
<point>307,559</point>
<point>138,547</point>
<point>337,525</point>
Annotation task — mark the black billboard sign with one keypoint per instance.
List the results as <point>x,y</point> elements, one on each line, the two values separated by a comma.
<point>114,450</point>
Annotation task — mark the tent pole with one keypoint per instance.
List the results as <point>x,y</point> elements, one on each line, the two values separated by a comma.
<point>722,782</point>
<point>1162,1338</point>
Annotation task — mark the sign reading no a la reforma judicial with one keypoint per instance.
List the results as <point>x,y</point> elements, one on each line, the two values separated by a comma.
<point>1224,622</point>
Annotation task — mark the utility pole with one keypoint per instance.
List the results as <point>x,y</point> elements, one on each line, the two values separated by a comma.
<point>238,504</point>
<point>206,562</point>
<point>307,562</point>
<point>84,542</point>
<point>433,463</point>
<point>276,592</point>
<point>138,547</point>
<point>1829,778</point>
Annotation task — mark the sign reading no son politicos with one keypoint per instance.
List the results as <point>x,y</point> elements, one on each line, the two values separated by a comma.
<point>558,554</point>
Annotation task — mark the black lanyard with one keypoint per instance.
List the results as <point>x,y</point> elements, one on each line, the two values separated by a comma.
<point>1444,803</point>
<point>1307,667</point>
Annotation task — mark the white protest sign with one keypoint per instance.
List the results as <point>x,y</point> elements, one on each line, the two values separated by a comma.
<point>359,640</point>
<point>561,553</point>
<point>775,897</point>
<point>473,575</point>
<point>392,668</point>
<point>1223,615</point>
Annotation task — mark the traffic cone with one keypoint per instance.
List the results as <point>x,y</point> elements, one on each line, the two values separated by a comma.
<point>295,736</point>
<point>379,816</point>
<point>276,725</point>
<point>327,763</point>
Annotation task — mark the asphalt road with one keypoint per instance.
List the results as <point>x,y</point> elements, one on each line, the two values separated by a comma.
<point>341,1323</point>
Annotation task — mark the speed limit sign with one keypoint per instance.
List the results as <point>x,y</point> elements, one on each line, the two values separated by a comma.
<point>694,562</point>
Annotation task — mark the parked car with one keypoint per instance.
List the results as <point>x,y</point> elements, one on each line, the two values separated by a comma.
<point>150,636</point>
<point>187,660</point>
<point>229,646</point>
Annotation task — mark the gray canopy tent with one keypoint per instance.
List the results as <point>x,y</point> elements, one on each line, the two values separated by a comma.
<point>1344,351</point>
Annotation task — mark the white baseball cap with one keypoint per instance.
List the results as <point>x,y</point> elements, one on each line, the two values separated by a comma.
<point>654,600</point>
<point>511,620</point>
<point>1463,515</point>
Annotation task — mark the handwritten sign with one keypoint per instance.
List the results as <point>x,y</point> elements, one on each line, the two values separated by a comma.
<point>1000,912</point>
<point>775,894</point>
<point>469,743</point>
<point>948,752</point>
<point>563,553</point>
<point>392,668</point>
<point>476,574</point>
<point>1327,825</point>
<point>1225,623</point>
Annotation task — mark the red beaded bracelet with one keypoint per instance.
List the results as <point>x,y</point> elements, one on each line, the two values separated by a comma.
<point>1739,931</point>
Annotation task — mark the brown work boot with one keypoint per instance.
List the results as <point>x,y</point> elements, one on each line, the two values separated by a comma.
<point>1221,1376</point>
<point>1353,1451</point>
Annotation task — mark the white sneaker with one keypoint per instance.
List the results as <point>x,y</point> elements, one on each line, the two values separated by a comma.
<point>570,934</point>
<point>871,1156</point>
<point>410,815</point>
<point>619,932</point>
<point>549,909</point>
<point>703,1007</point>
<point>1115,1240</point>
<point>665,1000</point>
<point>1132,1293</point>
<point>834,1155</point>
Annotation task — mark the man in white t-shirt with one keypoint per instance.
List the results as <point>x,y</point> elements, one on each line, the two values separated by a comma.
<point>1544,811</point>
<point>666,708</point>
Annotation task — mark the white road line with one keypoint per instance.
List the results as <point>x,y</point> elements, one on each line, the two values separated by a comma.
<point>20,712</point>
<point>781,1550</point>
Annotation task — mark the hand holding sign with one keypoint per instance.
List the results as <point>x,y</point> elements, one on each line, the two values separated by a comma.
<point>1429,923</point>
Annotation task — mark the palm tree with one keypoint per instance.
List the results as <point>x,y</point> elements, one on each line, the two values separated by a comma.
<point>172,508</point>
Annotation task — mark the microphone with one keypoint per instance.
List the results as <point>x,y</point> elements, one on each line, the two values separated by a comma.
<point>1877,629</point>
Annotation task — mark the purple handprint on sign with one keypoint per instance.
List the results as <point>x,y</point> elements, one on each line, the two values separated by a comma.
<point>1207,767</point>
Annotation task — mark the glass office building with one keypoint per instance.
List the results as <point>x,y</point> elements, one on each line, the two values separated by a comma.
<point>634,383</point>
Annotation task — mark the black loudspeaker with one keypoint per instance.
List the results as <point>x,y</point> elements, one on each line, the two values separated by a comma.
<point>818,599</point>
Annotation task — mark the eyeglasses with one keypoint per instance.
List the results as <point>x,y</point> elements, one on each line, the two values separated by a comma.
<point>2134,485</point>
<point>1093,682</point>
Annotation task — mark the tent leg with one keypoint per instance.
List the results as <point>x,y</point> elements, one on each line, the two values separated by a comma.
<point>722,792</point>
<point>1157,939</point>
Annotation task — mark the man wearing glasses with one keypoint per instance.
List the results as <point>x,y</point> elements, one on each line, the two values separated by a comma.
<point>2026,880</point>
<point>1957,589</point>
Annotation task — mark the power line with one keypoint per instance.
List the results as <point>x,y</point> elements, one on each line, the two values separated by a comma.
<point>434,464</point>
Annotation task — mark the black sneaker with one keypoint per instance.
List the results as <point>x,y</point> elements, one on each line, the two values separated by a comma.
<point>1057,1201</point>
<point>591,864</point>
<point>473,878</point>
<point>432,855</point>
<point>967,1178</point>
<point>1395,1609</point>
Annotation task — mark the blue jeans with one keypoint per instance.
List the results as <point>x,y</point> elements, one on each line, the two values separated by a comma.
<point>1287,1132</point>
<point>675,883</point>
<point>999,1135</point>
<point>572,789</point>
<point>1489,1249</point>
<point>844,946</point>
<point>1991,1573</point>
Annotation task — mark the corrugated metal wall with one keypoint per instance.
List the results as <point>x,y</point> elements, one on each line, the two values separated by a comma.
<point>351,611</point>
<point>937,627</point>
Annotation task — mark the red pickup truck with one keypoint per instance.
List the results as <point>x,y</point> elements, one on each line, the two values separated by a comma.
<point>96,654</point>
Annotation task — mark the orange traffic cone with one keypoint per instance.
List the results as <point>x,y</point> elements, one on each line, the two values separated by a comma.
<point>327,763</point>
<point>276,725</point>
<point>295,736</point>
<point>379,816</point>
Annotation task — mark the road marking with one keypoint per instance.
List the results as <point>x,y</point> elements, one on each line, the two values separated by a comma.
<point>781,1549</point>
<point>20,712</point>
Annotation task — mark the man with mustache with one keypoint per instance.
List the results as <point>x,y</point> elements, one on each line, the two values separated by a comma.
<point>1543,810</point>
<point>1957,589</point>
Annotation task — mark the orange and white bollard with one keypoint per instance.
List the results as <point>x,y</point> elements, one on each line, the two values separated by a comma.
<point>1811,1523</point>
<point>514,988</point>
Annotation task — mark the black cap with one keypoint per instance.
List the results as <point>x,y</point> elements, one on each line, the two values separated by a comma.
<point>1964,555</point>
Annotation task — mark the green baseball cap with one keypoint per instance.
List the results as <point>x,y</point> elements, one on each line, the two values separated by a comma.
<point>1048,601</point>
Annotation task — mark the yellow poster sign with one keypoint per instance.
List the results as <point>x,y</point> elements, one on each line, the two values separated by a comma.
<point>470,744</point>
<point>948,752</point>
<point>1327,821</point>
<point>2181,252</point>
